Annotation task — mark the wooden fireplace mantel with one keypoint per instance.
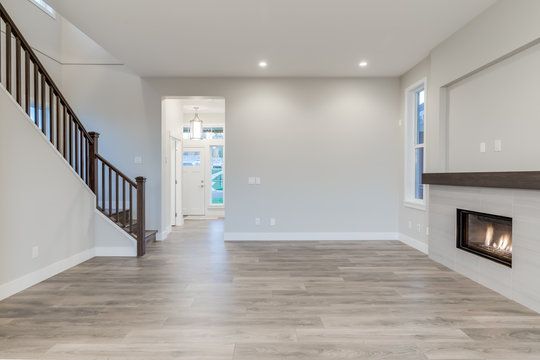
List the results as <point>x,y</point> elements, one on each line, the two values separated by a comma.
<point>502,179</point>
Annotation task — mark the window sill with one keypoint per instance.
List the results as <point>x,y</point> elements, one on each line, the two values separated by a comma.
<point>415,205</point>
<point>216,206</point>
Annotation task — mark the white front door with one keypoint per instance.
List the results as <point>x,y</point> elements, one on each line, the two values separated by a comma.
<point>193,186</point>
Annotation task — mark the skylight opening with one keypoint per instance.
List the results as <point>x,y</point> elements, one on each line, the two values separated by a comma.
<point>45,7</point>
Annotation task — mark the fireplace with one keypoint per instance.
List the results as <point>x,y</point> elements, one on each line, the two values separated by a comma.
<point>486,235</point>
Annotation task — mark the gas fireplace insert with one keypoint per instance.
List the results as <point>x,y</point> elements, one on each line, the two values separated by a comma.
<point>486,235</point>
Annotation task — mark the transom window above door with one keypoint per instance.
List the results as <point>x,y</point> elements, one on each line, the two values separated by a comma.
<point>209,133</point>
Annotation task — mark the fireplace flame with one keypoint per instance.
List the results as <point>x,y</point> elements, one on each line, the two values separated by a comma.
<point>503,243</point>
<point>489,235</point>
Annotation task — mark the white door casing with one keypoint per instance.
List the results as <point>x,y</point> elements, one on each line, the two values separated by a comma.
<point>178,216</point>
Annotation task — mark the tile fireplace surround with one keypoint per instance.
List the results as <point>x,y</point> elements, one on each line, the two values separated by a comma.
<point>521,282</point>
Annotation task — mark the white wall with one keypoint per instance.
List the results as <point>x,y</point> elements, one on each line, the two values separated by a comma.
<point>498,103</point>
<point>44,203</point>
<point>78,48</point>
<point>506,26</point>
<point>408,214</point>
<point>327,151</point>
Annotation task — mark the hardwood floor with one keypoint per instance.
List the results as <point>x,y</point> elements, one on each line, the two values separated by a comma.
<point>196,297</point>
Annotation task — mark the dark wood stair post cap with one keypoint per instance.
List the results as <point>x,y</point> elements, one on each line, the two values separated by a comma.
<point>94,136</point>
<point>140,179</point>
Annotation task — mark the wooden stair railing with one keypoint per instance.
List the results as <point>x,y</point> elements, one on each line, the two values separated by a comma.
<point>26,79</point>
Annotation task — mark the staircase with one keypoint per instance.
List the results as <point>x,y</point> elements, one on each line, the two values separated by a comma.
<point>118,197</point>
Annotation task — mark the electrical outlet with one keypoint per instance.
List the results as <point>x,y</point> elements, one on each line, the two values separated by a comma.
<point>35,252</point>
<point>272,222</point>
<point>257,221</point>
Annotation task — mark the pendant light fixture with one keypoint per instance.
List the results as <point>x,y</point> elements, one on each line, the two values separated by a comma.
<point>196,126</point>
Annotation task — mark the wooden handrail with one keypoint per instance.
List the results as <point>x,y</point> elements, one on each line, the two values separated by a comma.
<point>116,170</point>
<point>66,132</point>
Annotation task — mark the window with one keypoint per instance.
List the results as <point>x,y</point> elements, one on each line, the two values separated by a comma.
<point>209,133</point>
<point>216,171</point>
<point>192,158</point>
<point>415,145</point>
<point>45,7</point>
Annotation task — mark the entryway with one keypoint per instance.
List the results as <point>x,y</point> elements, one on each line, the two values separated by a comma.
<point>197,142</point>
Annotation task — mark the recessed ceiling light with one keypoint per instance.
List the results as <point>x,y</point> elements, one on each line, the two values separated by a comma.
<point>263,64</point>
<point>362,64</point>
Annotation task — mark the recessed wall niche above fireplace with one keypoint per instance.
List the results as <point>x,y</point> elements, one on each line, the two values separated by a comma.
<point>486,235</point>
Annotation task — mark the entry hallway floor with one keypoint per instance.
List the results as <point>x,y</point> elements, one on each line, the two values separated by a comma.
<point>195,297</point>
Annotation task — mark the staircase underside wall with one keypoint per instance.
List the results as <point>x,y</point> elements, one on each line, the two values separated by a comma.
<point>111,240</point>
<point>47,213</point>
<point>44,203</point>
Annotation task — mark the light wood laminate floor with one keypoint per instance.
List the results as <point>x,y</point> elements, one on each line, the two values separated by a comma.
<point>196,297</point>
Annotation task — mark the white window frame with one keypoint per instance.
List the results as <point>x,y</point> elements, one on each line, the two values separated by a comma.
<point>410,144</point>
<point>46,8</point>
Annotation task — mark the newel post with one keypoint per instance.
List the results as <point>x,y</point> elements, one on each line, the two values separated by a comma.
<point>141,216</point>
<point>92,151</point>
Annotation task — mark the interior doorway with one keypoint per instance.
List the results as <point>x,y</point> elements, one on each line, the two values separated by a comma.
<point>197,165</point>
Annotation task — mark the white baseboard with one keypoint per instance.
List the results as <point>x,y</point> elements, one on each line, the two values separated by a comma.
<point>162,235</point>
<point>116,251</point>
<point>307,236</point>
<point>26,281</point>
<point>418,245</point>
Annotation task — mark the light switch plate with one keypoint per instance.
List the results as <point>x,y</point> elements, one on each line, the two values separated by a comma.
<point>482,147</point>
<point>258,180</point>
<point>272,222</point>
<point>497,145</point>
<point>251,180</point>
<point>257,221</point>
<point>137,160</point>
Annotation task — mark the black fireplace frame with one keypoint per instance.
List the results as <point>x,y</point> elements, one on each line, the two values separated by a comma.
<point>461,231</point>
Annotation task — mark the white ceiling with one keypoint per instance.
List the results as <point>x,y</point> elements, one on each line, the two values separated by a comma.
<point>296,37</point>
